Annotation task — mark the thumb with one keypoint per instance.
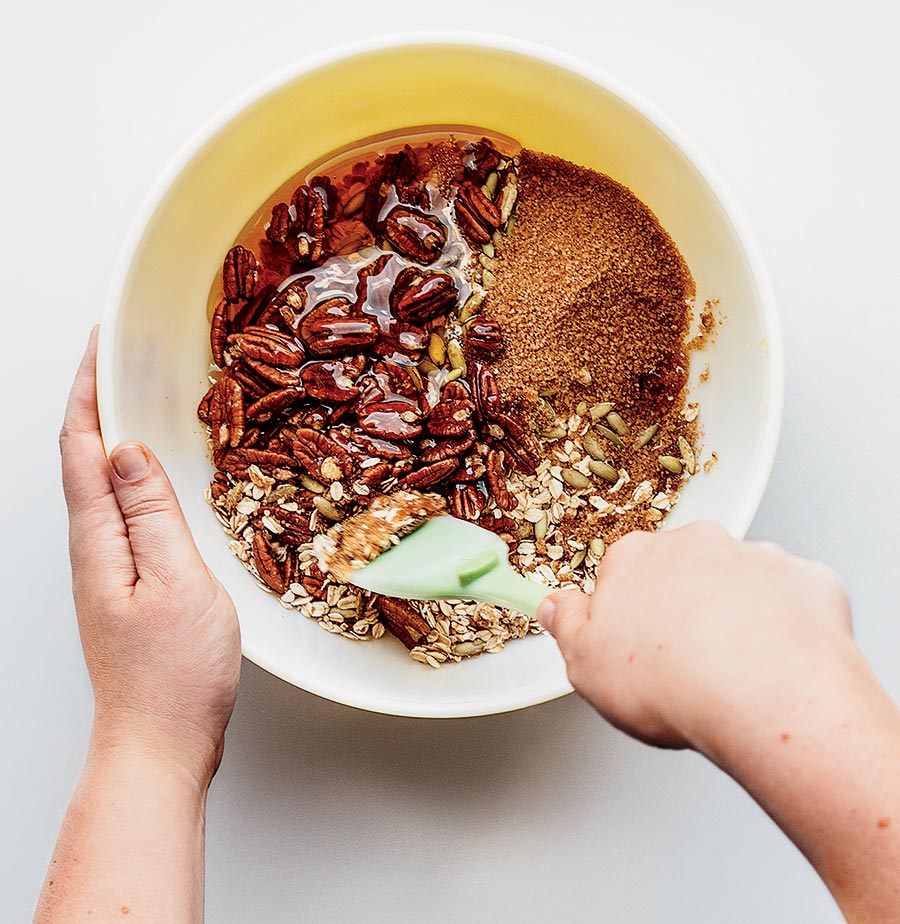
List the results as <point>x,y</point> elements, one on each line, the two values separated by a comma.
<point>562,614</point>
<point>160,539</point>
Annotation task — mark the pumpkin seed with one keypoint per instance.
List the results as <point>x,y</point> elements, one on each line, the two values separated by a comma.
<point>542,525</point>
<point>485,260</point>
<point>574,479</point>
<point>671,464</point>
<point>456,357</point>
<point>554,433</point>
<point>437,349</point>
<point>610,435</point>
<point>426,366</point>
<point>646,436</point>
<point>488,249</point>
<point>599,411</point>
<point>465,649</point>
<point>581,408</point>
<point>548,392</point>
<point>509,225</point>
<point>598,548</point>
<point>472,304</point>
<point>312,485</point>
<point>354,203</point>
<point>687,455</point>
<point>592,445</point>
<point>524,530</point>
<point>619,425</point>
<point>488,278</point>
<point>491,184</point>
<point>454,374</point>
<point>576,560</point>
<point>604,470</point>
<point>326,508</point>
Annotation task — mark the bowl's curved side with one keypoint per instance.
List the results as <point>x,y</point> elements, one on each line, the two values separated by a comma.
<point>152,350</point>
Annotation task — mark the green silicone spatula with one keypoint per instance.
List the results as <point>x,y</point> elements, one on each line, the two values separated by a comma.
<point>450,559</point>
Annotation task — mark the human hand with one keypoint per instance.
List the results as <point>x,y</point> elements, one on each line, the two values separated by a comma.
<point>689,628</point>
<point>159,632</point>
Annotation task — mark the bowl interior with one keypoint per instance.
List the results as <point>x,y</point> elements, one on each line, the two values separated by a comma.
<point>154,349</point>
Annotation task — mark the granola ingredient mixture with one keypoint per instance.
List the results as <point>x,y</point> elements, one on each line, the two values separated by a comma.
<point>504,330</point>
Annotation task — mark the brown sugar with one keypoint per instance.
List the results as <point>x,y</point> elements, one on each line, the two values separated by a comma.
<point>594,300</point>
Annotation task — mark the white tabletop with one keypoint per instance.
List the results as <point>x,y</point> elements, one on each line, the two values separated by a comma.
<point>321,813</point>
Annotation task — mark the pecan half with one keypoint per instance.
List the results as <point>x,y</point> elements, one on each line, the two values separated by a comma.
<point>348,236</point>
<point>381,448</point>
<point>281,378</point>
<point>280,224</point>
<point>419,296</point>
<point>472,468</point>
<point>496,480</point>
<point>314,581</point>
<point>308,244</point>
<point>429,475</point>
<point>329,329</point>
<point>395,418</point>
<point>331,381</point>
<point>482,334</point>
<point>248,314</point>
<point>275,402</point>
<point>240,274</point>
<point>479,207</point>
<point>266,563</point>
<point>376,473</point>
<point>402,620</point>
<point>483,159</point>
<point>226,413</point>
<point>466,501</point>
<point>520,449</point>
<point>268,346</point>
<point>218,333</point>
<point>294,525</point>
<point>451,418</point>
<point>414,234</point>
<point>401,380</point>
<point>312,449</point>
<point>447,449</point>
<point>485,391</point>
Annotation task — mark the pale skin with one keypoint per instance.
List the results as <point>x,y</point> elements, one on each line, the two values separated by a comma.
<point>691,640</point>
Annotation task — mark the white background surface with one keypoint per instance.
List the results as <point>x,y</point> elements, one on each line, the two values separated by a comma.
<point>321,813</point>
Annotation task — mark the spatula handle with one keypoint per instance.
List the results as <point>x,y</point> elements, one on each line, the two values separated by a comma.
<point>505,587</point>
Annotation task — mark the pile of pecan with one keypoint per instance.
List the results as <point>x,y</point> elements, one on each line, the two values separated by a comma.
<point>342,392</point>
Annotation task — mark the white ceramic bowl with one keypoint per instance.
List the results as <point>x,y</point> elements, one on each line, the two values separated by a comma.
<point>153,346</point>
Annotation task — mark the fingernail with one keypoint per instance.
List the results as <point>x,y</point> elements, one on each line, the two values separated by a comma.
<point>546,613</point>
<point>129,462</point>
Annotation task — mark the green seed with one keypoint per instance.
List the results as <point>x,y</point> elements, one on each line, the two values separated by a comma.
<point>646,436</point>
<point>490,184</point>
<point>619,425</point>
<point>548,392</point>
<point>454,374</point>
<point>671,464</point>
<point>354,203</point>
<point>554,433</point>
<point>576,560</point>
<point>574,479</point>
<point>471,306</point>
<point>327,509</point>
<point>541,527</point>
<point>592,445</point>
<point>599,411</point>
<point>581,409</point>
<point>488,278</point>
<point>524,530</point>
<point>510,225</point>
<point>456,357</point>
<point>466,649</point>
<point>488,249</point>
<point>604,470</point>
<point>612,437</point>
<point>687,455</point>
<point>312,485</point>
<point>485,260</point>
<point>427,366</point>
<point>598,548</point>
<point>437,349</point>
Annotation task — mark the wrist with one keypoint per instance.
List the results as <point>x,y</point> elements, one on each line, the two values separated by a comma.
<point>155,745</point>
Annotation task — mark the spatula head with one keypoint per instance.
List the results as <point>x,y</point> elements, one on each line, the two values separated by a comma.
<point>436,562</point>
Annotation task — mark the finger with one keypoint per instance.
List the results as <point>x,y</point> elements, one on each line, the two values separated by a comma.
<point>97,532</point>
<point>160,538</point>
<point>562,614</point>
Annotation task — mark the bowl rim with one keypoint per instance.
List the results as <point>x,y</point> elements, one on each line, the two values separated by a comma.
<point>154,196</point>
